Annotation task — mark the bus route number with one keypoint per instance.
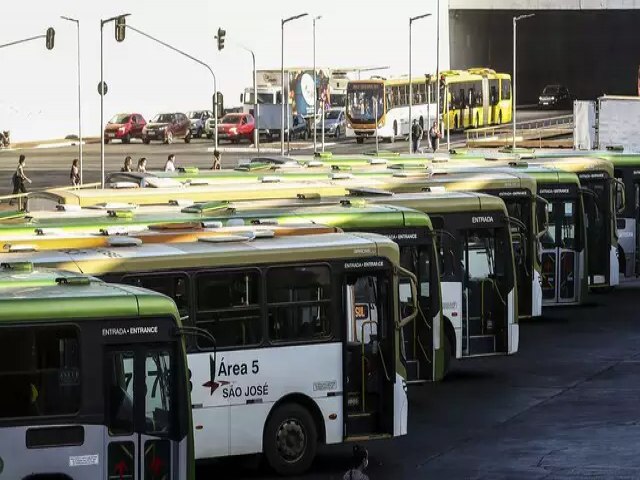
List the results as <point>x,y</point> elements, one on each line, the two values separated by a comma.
<point>361,312</point>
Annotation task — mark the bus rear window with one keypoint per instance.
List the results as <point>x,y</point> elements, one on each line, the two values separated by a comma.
<point>39,371</point>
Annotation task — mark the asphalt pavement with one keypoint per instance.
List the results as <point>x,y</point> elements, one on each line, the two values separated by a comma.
<point>566,406</point>
<point>49,167</point>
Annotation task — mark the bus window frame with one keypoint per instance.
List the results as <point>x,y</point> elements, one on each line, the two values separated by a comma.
<point>57,418</point>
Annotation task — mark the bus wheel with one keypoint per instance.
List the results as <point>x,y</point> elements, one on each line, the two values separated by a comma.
<point>290,439</point>
<point>500,118</point>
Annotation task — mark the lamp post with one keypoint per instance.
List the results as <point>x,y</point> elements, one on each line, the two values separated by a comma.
<point>513,95</point>
<point>411,20</point>
<point>77,22</point>
<point>315,90</point>
<point>437,82</point>
<point>102,92</point>
<point>282,23</point>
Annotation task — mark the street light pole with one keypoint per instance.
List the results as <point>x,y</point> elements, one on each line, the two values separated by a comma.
<point>102,92</point>
<point>513,95</point>
<point>315,90</point>
<point>282,83</point>
<point>411,20</point>
<point>437,82</point>
<point>200,62</point>
<point>77,22</point>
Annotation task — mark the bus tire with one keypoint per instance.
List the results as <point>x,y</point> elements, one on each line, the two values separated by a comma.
<point>290,439</point>
<point>500,118</point>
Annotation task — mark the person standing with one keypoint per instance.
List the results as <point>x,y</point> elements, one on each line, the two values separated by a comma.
<point>74,174</point>
<point>416,136</point>
<point>142,165</point>
<point>434,136</point>
<point>217,162</point>
<point>127,164</point>
<point>19,179</point>
<point>170,165</point>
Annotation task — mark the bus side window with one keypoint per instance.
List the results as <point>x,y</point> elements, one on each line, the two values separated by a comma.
<point>299,302</point>
<point>39,371</point>
<point>173,285</point>
<point>228,306</point>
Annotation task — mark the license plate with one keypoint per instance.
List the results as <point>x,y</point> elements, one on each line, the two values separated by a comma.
<point>111,135</point>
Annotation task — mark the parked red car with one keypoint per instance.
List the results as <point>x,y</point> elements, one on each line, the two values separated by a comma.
<point>236,126</point>
<point>124,126</point>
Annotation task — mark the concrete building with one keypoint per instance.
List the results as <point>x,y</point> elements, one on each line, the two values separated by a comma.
<point>591,46</point>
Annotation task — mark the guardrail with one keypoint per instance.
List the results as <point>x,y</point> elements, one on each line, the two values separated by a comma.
<point>527,130</point>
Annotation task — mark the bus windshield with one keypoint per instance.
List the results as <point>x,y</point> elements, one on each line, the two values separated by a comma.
<point>363,99</point>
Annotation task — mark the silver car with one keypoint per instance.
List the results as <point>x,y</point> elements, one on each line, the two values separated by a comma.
<point>335,123</point>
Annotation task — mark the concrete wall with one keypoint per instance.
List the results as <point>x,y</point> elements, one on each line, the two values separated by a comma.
<point>592,52</point>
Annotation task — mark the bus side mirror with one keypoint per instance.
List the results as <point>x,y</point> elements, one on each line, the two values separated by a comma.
<point>242,98</point>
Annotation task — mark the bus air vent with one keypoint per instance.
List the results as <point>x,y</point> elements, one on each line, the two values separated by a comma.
<point>18,266</point>
<point>22,248</point>
<point>270,179</point>
<point>124,241</point>
<point>435,189</point>
<point>240,237</point>
<point>74,281</point>
<point>378,161</point>
<point>341,176</point>
<point>181,202</point>
<point>212,224</point>
<point>265,221</point>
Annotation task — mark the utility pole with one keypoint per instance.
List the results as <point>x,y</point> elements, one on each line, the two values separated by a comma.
<point>411,20</point>
<point>515,57</point>
<point>77,22</point>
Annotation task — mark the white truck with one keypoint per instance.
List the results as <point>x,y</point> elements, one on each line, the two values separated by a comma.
<point>609,122</point>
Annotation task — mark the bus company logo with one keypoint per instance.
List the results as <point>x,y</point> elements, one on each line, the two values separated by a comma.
<point>212,384</point>
<point>554,191</point>
<point>485,219</point>
<point>513,193</point>
<point>121,331</point>
<point>591,175</point>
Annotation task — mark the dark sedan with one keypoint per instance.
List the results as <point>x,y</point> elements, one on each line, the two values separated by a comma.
<point>556,96</point>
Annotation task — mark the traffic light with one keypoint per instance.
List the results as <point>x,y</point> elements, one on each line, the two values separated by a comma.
<point>121,26</point>
<point>220,37</point>
<point>220,104</point>
<point>51,35</point>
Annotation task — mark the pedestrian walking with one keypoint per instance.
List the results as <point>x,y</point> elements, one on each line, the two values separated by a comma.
<point>170,165</point>
<point>434,136</point>
<point>142,165</point>
<point>74,174</point>
<point>416,135</point>
<point>127,167</point>
<point>19,179</point>
<point>360,462</point>
<point>217,162</point>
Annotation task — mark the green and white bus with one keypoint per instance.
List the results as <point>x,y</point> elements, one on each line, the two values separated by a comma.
<point>94,380</point>
<point>307,331</point>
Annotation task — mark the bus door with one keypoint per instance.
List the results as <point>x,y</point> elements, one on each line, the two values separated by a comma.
<point>485,302</point>
<point>486,103</point>
<point>369,367</point>
<point>560,258</point>
<point>145,430</point>
<point>628,180</point>
<point>598,214</point>
<point>421,338</point>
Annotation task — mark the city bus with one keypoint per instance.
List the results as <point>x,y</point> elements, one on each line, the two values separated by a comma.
<point>603,197</point>
<point>389,101</point>
<point>477,97</point>
<point>478,277</point>
<point>427,357</point>
<point>94,380</point>
<point>626,168</point>
<point>306,331</point>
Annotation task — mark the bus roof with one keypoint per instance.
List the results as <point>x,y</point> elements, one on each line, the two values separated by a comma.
<point>289,212</point>
<point>575,164</point>
<point>210,255</point>
<point>435,203</point>
<point>33,295</point>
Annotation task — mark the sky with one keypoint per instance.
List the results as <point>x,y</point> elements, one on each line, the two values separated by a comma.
<point>38,87</point>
